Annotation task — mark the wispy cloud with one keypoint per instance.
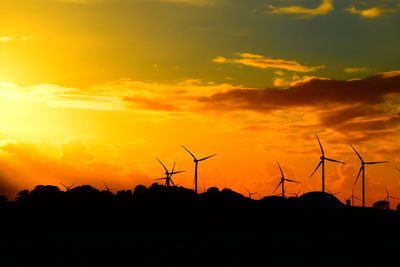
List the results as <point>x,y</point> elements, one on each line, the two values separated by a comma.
<point>356,69</point>
<point>5,38</point>
<point>373,12</point>
<point>324,8</point>
<point>123,94</point>
<point>262,62</point>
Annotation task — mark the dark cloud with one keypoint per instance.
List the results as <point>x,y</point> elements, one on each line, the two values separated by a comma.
<point>361,109</point>
<point>315,92</point>
<point>343,114</point>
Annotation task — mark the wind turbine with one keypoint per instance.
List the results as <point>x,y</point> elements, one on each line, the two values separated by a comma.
<point>250,194</point>
<point>331,192</point>
<point>298,192</point>
<point>168,175</point>
<point>196,163</point>
<point>67,188</point>
<point>352,197</point>
<point>388,196</point>
<point>322,163</point>
<point>107,188</point>
<point>362,169</point>
<point>282,182</point>
<point>398,169</point>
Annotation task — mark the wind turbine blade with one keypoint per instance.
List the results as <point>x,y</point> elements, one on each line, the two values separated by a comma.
<point>177,172</point>
<point>396,168</point>
<point>173,168</point>
<point>161,178</point>
<point>280,170</point>
<point>322,150</point>
<point>277,186</point>
<point>165,168</point>
<point>387,192</point>
<point>357,153</point>
<point>108,189</point>
<point>376,162</point>
<point>333,160</point>
<point>189,152</point>
<point>319,164</point>
<point>63,185</point>
<point>172,181</point>
<point>72,185</point>
<point>301,187</point>
<point>291,181</point>
<point>356,197</point>
<point>207,157</point>
<point>358,175</point>
<point>247,191</point>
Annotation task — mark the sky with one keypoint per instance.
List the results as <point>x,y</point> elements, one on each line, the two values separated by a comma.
<point>93,91</point>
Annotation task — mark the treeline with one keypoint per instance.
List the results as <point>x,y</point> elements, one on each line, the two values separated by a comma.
<point>87,195</point>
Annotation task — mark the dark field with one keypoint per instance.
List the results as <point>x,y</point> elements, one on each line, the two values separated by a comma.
<point>172,226</point>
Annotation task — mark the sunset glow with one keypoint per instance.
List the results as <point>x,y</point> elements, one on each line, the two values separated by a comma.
<point>95,90</point>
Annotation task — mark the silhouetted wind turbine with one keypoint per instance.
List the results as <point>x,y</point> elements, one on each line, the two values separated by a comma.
<point>322,163</point>
<point>107,188</point>
<point>388,196</point>
<point>298,192</point>
<point>362,169</point>
<point>67,188</point>
<point>352,197</point>
<point>396,167</point>
<point>250,194</point>
<point>168,175</point>
<point>282,182</point>
<point>196,163</point>
<point>333,194</point>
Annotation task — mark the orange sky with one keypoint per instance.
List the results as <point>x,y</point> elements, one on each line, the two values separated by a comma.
<point>87,101</point>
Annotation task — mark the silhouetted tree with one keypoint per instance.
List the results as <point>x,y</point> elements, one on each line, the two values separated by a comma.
<point>229,195</point>
<point>23,195</point>
<point>3,199</point>
<point>139,191</point>
<point>381,204</point>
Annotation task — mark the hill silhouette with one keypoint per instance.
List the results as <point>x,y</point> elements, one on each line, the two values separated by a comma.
<point>173,226</point>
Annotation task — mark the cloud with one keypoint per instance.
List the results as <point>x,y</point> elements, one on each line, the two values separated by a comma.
<point>149,104</point>
<point>6,38</point>
<point>72,164</point>
<point>262,62</point>
<point>12,38</point>
<point>356,70</point>
<point>373,12</point>
<point>59,96</point>
<point>363,109</point>
<point>153,96</point>
<point>324,8</point>
<point>119,95</point>
<point>313,91</point>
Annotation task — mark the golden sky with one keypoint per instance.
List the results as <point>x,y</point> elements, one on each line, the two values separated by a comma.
<point>95,90</point>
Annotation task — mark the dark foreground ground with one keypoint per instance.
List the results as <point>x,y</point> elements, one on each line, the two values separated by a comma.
<point>191,231</point>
